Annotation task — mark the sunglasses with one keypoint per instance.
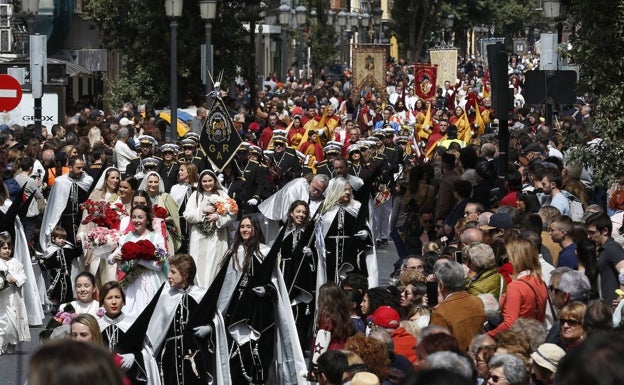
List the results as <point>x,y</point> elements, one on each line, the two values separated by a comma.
<point>570,322</point>
<point>496,378</point>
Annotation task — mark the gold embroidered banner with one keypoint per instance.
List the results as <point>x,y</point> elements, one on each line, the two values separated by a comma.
<point>369,69</point>
<point>446,60</point>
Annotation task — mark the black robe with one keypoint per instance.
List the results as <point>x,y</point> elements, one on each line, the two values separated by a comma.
<point>116,330</point>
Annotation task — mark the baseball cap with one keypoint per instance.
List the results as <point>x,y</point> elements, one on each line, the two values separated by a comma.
<point>386,317</point>
<point>498,221</point>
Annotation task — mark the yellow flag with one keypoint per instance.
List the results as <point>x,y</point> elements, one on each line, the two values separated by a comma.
<point>464,132</point>
<point>311,125</point>
<point>479,122</point>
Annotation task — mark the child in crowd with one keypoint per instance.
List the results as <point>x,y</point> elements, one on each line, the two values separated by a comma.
<point>13,318</point>
<point>57,261</point>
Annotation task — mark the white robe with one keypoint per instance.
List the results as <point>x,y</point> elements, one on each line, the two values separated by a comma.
<point>141,291</point>
<point>13,318</point>
<point>34,290</point>
<point>207,250</point>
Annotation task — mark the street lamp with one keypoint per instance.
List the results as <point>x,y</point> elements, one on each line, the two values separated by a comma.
<point>173,9</point>
<point>377,13</point>
<point>208,11</point>
<point>30,9</point>
<point>552,8</point>
<point>284,20</point>
<point>342,22</point>
<point>364,22</point>
<point>448,21</point>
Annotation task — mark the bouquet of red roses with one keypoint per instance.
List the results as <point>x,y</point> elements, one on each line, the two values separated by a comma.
<point>140,250</point>
<point>103,213</point>
<point>131,254</point>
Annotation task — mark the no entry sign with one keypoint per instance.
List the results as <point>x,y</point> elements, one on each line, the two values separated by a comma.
<point>10,92</point>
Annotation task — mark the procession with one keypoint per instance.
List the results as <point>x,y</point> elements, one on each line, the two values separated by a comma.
<point>239,237</point>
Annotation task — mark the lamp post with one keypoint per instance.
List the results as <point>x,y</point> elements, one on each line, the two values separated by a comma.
<point>548,52</point>
<point>342,22</point>
<point>284,20</point>
<point>301,17</point>
<point>364,23</point>
<point>448,22</point>
<point>30,9</point>
<point>377,13</point>
<point>208,10</point>
<point>173,9</point>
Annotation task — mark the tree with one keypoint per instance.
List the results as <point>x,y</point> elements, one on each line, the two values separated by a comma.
<point>322,38</point>
<point>597,44</point>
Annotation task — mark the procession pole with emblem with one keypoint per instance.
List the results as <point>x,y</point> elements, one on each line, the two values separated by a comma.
<point>219,139</point>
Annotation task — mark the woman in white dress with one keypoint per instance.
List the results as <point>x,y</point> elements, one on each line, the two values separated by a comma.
<point>143,281</point>
<point>13,318</point>
<point>86,297</point>
<point>153,184</point>
<point>181,192</point>
<point>106,190</point>
<point>209,229</point>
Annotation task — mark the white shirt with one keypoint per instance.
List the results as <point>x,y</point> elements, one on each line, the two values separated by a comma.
<point>123,156</point>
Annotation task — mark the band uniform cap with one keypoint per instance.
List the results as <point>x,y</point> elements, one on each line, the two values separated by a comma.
<point>255,149</point>
<point>331,149</point>
<point>192,135</point>
<point>279,132</point>
<point>279,139</point>
<point>170,147</point>
<point>353,148</point>
<point>150,162</point>
<point>146,139</point>
<point>186,143</point>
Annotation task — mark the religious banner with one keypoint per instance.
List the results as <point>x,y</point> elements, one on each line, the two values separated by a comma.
<point>369,70</point>
<point>219,139</point>
<point>446,60</point>
<point>425,76</point>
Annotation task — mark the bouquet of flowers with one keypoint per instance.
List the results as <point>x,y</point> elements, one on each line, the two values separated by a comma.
<point>132,253</point>
<point>58,326</point>
<point>103,213</point>
<point>163,213</point>
<point>223,207</point>
<point>102,240</point>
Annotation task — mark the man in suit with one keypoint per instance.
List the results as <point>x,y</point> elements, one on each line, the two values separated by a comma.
<point>461,313</point>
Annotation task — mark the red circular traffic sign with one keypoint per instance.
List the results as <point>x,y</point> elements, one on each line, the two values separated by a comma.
<point>10,92</point>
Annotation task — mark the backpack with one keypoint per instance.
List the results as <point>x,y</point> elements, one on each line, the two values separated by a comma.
<point>576,207</point>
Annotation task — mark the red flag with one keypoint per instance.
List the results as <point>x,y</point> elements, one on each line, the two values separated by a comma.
<point>425,76</point>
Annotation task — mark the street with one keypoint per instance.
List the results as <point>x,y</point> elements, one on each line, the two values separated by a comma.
<point>13,367</point>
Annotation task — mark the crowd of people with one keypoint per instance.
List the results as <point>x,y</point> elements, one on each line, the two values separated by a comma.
<point>265,272</point>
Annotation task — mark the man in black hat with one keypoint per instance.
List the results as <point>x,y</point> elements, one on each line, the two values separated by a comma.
<point>192,154</point>
<point>284,163</point>
<point>250,185</point>
<point>146,150</point>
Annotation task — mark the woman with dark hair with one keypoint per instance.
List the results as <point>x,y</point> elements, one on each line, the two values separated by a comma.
<point>209,220</point>
<point>188,177</point>
<point>333,321</point>
<point>154,186</point>
<point>142,278</point>
<point>255,304</point>
<point>376,297</point>
<point>174,354</point>
<point>106,190</point>
<point>127,187</point>
<point>86,295</point>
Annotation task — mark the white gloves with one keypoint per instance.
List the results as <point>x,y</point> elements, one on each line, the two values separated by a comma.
<point>127,360</point>
<point>202,331</point>
<point>252,202</point>
<point>220,178</point>
<point>362,234</point>
<point>260,291</point>
<point>307,251</point>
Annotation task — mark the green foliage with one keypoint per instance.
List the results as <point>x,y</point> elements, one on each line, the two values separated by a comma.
<point>597,51</point>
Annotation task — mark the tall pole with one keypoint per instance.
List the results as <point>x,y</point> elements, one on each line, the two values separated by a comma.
<point>174,81</point>
<point>208,62</point>
<point>282,74</point>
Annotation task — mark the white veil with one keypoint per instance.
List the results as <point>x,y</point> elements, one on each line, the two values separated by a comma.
<point>101,183</point>
<point>143,185</point>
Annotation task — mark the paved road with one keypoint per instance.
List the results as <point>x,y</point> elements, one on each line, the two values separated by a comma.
<point>13,367</point>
